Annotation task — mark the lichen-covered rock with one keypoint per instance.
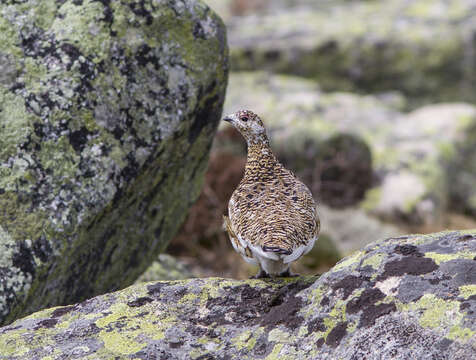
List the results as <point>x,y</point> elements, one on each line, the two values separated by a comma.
<point>108,109</point>
<point>412,297</point>
<point>423,48</point>
<point>421,159</point>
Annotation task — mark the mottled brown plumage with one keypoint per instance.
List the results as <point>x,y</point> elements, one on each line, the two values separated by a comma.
<point>272,215</point>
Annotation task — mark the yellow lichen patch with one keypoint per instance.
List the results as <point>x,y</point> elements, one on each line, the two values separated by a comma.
<point>64,324</point>
<point>43,314</point>
<point>336,315</point>
<point>374,261</point>
<point>132,326</point>
<point>348,262</point>
<point>209,290</point>
<point>466,291</point>
<point>461,334</point>
<point>133,292</point>
<point>315,294</point>
<point>13,345</point>
<point>118,343</point>
<point>440,258</point>
<point>437,313</point>
<point>117,310</point>
<point>188,298</point>
<point>246,340</point>
<point>274,355</point>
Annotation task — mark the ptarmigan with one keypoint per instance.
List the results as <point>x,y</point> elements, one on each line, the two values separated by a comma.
<point>272,217</point>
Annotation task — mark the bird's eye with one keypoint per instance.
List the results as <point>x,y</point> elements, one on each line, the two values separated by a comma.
<point>244,118</point>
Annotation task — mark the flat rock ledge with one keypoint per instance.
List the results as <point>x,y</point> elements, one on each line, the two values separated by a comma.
<point>411,297</point>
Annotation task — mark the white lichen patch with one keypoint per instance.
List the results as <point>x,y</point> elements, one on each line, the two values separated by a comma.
<point>389,286</point>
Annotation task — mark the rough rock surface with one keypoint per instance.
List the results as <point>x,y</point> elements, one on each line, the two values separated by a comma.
<point>425,153</point>
<point>412,297</point>
<point>424,48</point>
<point>108,109</point>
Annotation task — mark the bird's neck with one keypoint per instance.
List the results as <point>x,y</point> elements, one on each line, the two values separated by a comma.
<point>260,157</point>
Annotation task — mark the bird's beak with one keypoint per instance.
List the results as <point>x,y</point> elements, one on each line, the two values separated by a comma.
<point>228,118</point>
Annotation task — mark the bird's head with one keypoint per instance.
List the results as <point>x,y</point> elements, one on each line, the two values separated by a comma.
<point>249,125</point>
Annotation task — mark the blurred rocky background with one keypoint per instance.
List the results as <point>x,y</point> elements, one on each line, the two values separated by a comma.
<point>370,102</point>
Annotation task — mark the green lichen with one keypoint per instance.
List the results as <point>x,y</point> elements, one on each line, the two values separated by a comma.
<point>16,122</point>
<point>117,311</point>
<point>126,317</point>
<point>8,38</point>
<point>274,355</point>
<point>349,262</point>
<point>440,258</point>
<point>22,222</point>
<point>246,340</point>
<point>81,26</point>
<point>58,156</point>
<point>334,317</point>
<point>188,298</point>
<point>441,315</point>
<point>120,344</point>
<point>436,312</point>
<point>466,291</point>
<point>461,334</point>
<point>316,294</point>
<point>13,345</point>
<point>374,261</point>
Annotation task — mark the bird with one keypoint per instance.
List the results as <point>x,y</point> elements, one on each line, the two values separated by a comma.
<point>272,216</point>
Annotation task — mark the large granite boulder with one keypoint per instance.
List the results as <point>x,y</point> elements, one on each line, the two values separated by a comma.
<point>420,160</point>
<point>412,297</point>
<point>423,48</point>
<point>108,109</point>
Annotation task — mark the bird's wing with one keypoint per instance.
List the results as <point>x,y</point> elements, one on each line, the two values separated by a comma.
<point>239,245</point>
